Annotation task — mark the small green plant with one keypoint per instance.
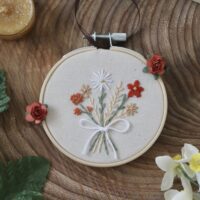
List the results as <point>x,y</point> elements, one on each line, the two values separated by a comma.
<point>23,179</point>
<point>4,99</point>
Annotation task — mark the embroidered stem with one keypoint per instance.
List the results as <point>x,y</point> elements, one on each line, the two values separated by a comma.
<point>92,102</point>
<point>96,144</point>
<point>105,144</point>
<point>102,106</point>
<point>100,143</point>
<point>93,143</point>
<point>121,107</point>
<point>122,114</point>
<point>113,144</point>
<point>88,114</point>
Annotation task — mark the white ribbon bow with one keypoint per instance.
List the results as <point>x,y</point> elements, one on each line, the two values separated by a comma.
<point>90,125</point>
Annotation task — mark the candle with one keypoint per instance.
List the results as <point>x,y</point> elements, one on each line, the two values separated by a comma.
<point>16,18</point>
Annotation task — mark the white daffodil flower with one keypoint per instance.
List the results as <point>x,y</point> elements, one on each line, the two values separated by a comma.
<point>169,166</point>
<point>186,194</point>
<point>101,80</point>
<point>191,155</point>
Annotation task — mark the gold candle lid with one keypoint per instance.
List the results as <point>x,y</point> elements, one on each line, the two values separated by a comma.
<point>16,18</point>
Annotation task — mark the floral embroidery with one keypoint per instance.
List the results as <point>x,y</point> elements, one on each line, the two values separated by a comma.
<point>103,116</point>
<point>101,80</point>
<point>77,98</point>
<point>86,91</point>
<point>155,66</point>
<point>131,109</point>
<point>77,111</point>
<point>135,89</point>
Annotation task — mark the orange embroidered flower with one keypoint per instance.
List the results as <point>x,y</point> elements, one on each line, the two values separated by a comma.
<point>156,65</point>
<point>77,98</point>
<point>89,108</point>
<point>77,111</point>
<point>135,89</point>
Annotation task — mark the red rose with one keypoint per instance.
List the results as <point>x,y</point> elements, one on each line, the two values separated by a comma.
<point>156,65</point>
<point>135,89</point>
<point>77,111</point>
<point>77,98</point>
<point>36,112</point>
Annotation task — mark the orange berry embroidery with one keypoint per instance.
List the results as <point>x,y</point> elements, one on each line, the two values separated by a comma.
<point>77,111</point>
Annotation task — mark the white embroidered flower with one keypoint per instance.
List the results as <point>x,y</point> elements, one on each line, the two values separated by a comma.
<point>101,80</point>
<point>186,194</point>
<point>169,166</point>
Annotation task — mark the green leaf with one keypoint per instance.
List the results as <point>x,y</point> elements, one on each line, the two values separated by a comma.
<point>23,179</point>
<point>4,99</point>
<point>145,70</point>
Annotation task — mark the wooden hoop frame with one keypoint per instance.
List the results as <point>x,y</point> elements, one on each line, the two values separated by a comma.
<point>113,164</point>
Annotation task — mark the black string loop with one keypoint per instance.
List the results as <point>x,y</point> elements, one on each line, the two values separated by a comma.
<point>101,43</point>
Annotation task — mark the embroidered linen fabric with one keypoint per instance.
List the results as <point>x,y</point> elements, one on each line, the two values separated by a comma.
<point>76,73</point>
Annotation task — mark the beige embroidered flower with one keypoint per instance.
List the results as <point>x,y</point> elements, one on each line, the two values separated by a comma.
<point>131,109</point>
<point>86,91</point>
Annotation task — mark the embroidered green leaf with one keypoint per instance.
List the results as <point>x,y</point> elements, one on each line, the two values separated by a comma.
<point>23,179</point>
<point>84,110</point>
<point>145,69</point>
<point>102,106</point>
<point>4,99</point>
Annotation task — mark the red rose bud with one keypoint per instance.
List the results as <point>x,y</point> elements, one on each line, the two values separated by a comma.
<point>36,112</point>
<point>156,65</point>
<point>77,98</point>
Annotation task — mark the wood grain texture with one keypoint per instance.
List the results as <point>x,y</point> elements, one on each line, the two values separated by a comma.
<point>168,27</point>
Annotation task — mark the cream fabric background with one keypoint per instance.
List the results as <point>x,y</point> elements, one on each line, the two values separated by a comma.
<point>68,78</point>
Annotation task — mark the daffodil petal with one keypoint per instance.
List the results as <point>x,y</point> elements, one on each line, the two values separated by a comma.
<point>183,195</point>
<point>186,194</point>
<point>169,195</point>
<point>164,162</point>
<point>186,184</point>
<point>188,150</point>
<point>168,180</point>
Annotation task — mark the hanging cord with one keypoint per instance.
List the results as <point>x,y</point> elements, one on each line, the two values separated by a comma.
<point>102,43</point>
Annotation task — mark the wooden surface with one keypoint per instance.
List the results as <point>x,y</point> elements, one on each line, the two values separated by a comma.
<point>168,27</point>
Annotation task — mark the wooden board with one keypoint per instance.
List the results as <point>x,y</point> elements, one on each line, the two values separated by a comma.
<point>168,27</point>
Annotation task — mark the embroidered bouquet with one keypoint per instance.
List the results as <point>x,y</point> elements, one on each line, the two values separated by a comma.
<point>104,118</point>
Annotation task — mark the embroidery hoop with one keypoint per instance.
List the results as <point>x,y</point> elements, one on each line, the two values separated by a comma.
<point>115,163</point>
